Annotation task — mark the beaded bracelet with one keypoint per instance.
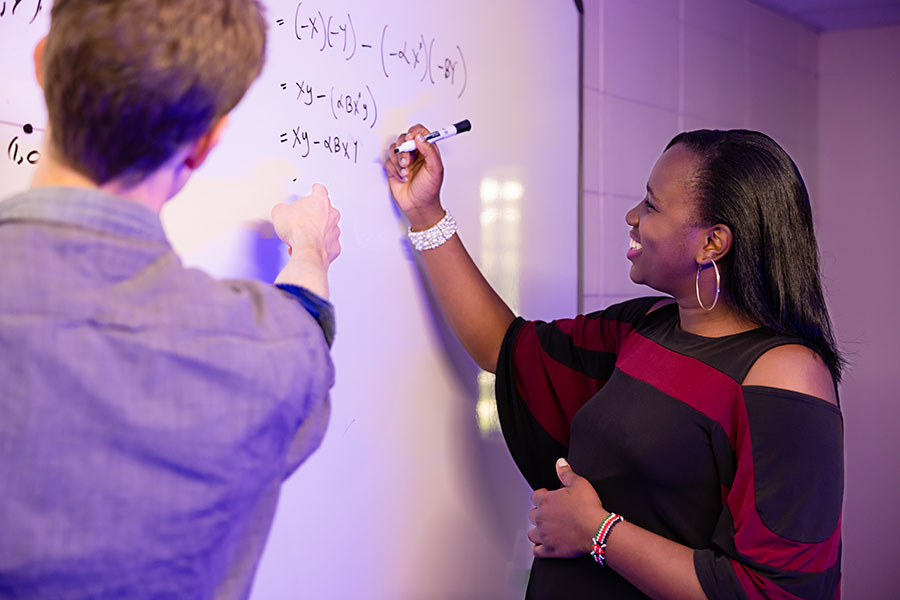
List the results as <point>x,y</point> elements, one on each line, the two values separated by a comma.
<point>598,550</point>
<point>435,235</point>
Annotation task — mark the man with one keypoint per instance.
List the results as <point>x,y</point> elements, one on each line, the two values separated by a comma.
<point>148,413</point>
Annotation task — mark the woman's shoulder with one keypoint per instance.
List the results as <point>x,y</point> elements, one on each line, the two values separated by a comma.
<point>631,310</point>
<point>660,303</point>
<point>793,367</point>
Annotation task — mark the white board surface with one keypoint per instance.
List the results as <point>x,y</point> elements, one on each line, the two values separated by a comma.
<point>407,497</point>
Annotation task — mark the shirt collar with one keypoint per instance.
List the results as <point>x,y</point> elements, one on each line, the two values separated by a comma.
<point>88,208</point>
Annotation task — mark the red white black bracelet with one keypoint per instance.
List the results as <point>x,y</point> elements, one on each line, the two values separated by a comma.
<point>598,550</point>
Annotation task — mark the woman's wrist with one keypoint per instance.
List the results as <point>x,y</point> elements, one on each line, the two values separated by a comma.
<point>590,521</point>
<point>425,217</point>
<point>601,537</point>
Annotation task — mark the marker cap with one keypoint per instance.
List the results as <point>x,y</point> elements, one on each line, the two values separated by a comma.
<point>462,126</point>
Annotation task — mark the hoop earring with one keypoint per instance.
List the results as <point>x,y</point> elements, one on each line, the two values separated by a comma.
<point>697,286</point>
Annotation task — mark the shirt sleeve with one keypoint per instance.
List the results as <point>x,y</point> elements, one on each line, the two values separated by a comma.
<point>779,534</point>
<point>546,372</point>
<point>292,329</point>
<point>318,378</point>
<point>321,310</point>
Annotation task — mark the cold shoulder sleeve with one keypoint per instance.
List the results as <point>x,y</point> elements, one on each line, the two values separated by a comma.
<point>546,372</point>
<point>779,533</point>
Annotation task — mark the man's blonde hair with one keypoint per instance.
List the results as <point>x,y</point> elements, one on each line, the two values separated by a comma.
<point>128,82</point>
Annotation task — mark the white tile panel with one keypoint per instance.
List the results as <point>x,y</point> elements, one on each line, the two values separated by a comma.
<point>640,54</point>
<point>592,44</point>
<point>715,83</point>
<point>634,136</point>
<point>594,233</point>
<point>724,18</point>
<point>593,139</point>
<point>774,35</point>
<point>614,230</point>
<point>807,49</point>
<point>783,101</point>
<point>666,7</point>
<point>691,122</point>
<point>594,303</point>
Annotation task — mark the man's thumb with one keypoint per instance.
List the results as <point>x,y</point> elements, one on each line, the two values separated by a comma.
<point>565,473</point>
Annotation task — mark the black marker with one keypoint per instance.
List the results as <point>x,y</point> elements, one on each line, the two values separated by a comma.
<point>437,135</point>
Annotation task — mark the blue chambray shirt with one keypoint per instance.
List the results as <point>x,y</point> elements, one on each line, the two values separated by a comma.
<point>148,413</point>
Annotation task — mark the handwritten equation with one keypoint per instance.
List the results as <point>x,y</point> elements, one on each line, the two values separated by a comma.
<point>385,51</point>
<point>333,145</point>
<point>420,55</point>
<point>18,153</point>
<point>13,8</point>
<point>354,104</point>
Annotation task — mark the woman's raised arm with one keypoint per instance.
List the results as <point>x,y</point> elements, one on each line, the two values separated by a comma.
<point>477,315</point>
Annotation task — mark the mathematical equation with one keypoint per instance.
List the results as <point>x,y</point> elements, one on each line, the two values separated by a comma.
<point>419,55</point>
<point>13,8</point>
<point>20,155</point>
<point>333,145</point>
<point>353,104</point>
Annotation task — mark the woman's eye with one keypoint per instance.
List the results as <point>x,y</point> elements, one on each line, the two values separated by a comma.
<point>648,205</point>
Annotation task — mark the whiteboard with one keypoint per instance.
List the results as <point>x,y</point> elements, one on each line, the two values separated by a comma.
<point>412,494</point>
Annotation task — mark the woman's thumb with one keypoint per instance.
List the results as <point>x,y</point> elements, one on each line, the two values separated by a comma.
<point>565,473</point>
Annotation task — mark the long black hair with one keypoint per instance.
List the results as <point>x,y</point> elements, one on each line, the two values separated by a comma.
<point>747,181</point>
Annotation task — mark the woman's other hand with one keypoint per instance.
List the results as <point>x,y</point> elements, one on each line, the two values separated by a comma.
<point>565,520</point>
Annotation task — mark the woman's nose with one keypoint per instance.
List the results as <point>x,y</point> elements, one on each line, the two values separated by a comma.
<point>631,217</point>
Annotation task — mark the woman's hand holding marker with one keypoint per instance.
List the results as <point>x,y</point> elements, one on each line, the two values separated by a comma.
<point>415,178</point>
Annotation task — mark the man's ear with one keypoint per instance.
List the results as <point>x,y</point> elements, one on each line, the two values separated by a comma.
<point>717,244</point>
<point>39,61</point>
<point>204,144</point>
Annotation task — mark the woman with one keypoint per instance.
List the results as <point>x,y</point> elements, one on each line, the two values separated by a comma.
<point>702,428</point>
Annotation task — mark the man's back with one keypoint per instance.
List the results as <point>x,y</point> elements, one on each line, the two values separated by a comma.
<point>147,412</point>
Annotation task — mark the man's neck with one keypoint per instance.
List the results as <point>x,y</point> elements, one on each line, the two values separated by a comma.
<point>152,192</point>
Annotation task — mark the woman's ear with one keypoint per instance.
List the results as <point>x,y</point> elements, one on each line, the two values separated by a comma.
<point>39,61</point>
<point>717,243</point>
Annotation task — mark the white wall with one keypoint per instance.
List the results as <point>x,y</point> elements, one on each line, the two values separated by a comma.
<point>858,220</point>
<point>657,67</point>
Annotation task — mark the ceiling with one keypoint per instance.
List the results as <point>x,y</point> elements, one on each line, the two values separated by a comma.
<point>838,15</point>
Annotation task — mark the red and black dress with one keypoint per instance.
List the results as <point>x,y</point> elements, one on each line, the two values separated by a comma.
<point>657,420</point>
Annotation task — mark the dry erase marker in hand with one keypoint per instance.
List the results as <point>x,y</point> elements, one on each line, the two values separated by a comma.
<point>436,135</point>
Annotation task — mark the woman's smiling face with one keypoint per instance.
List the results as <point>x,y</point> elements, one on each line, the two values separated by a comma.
<point>666,238</point>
